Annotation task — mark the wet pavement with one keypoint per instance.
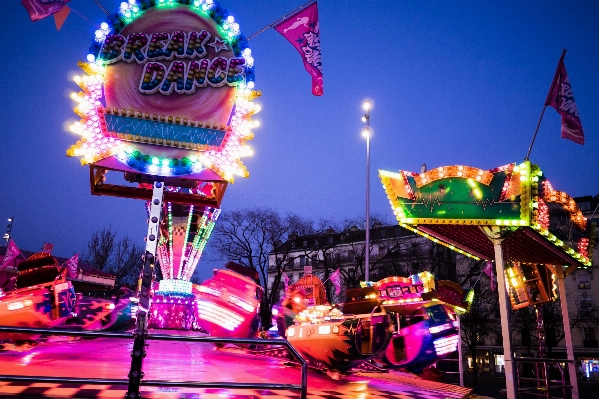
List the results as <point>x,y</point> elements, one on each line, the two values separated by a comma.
<point>105,358</point>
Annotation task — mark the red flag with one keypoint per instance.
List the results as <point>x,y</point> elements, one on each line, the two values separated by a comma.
<point>489,272</point>
<point>39,9</point>
<point>303,32</point>
<point>61,16</point>
<point>336,280</point>
<point>12,251</point>
<point>71,265</point>
<point>561,98</point>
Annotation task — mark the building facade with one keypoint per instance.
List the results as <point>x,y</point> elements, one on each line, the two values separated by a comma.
<point>394,251</point>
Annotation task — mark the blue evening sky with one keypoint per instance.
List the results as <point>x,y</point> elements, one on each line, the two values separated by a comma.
<point>453,82</point>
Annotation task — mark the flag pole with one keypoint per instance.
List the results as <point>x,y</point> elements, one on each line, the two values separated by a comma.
<point>280,19</point>
<point>102,7</point>
<point>536,131</point>
<point>546,104</point>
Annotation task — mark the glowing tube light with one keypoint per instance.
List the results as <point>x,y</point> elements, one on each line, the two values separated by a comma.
<point>446,345</point>
<point>219,315</point>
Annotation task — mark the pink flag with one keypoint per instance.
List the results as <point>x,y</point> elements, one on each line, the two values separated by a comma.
<point>489,272</point>
<point>285,281</point>
<point>336,280</point>
<point>303,32</point>
<point>12,251</point>
<point>47,248</point>
<point>39,9</point>
<point>561,98</point>
<point>71,265</point>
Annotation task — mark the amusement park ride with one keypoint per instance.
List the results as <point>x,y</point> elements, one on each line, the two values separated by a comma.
<point>167,105</point>
<point>43,297</point>
<point>400,322</point>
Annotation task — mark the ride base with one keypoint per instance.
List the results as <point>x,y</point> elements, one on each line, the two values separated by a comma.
<point>166,360</point>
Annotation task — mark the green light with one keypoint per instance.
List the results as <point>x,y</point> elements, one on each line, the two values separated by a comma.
<point>470,296</point>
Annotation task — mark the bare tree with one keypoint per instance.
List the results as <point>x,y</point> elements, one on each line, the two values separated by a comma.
<point>122,257</point>
<point>524,323</point>
<point>482,319</point>
<point>249,237</point>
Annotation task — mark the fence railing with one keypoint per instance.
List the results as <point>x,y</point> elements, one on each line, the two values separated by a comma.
<point>302,387</point>
<point>540,384</point>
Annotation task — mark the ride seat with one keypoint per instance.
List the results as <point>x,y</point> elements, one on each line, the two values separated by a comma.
<point>398,353</point>
<point>360,300</point>
<point>43,275</point>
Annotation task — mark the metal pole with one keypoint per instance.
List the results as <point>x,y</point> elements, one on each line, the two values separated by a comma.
<point>535,135</point>
<point>559,271</point>
<point>494,234</point>
<point>145,294</point>
<point>8,233</point>
<point>367,249</point>
<point>280,19</point>
<point>460,356</point>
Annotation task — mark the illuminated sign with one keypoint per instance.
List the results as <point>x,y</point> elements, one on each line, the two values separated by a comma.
<point>170,83</point>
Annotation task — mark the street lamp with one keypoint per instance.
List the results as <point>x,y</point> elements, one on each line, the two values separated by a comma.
<point>367,133</point>
<point>9,227</point>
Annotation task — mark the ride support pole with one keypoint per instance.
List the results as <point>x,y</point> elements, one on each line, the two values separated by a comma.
<point>559,269</point>
<point>145,291</point>
<point>497,235</point>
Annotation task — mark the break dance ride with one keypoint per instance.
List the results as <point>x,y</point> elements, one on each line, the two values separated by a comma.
<point>401,322</point>
<point>44,298</point>
<point>166,104</point>
<point>426,327</point>
<point>228,304</point>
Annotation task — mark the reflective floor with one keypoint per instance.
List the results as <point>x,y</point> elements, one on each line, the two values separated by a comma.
<point>110,359</point>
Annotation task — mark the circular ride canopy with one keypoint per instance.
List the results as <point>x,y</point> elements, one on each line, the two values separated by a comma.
<point>453,205</point>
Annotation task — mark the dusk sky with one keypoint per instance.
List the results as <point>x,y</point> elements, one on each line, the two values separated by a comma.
<point>453,82</point>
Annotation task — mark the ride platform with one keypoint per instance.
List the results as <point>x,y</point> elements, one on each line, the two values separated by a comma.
<point>177,361</point>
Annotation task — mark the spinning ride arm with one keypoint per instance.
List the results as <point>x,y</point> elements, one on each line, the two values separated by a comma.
<point>147,277</point>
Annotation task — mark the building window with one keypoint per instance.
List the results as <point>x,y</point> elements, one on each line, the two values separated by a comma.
<point>585,304</point>
<point>590,339</point>
<point>499,364</point>
<point>589,333</point>
<point>583,280</point>
<point>329,257</point>
<point>479,339</point>
<point>303,260</point>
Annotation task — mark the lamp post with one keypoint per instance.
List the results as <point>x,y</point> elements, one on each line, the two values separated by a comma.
<point>9,227</point>
<point>367,133</point>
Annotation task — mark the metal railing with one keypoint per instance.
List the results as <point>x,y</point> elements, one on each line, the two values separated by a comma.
<point>541,385</point>
<point>302,387</point>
